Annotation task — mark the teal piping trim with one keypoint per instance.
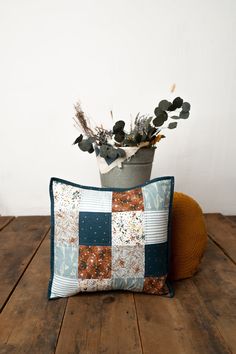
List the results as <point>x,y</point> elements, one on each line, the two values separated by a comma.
<point>51,239</point>
<point>171,289</point>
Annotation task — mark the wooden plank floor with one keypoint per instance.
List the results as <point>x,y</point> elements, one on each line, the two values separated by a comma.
<point>200,319</point>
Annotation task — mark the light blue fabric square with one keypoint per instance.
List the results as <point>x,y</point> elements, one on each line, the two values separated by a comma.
<point>66,261</point>
<point>157,195</point>
<point>131,284</point>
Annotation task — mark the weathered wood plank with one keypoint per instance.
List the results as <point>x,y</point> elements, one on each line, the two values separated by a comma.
<point>29,322</point>
<point>100,323</point>
<point>181,325</point>
<point>216,282</point>
<point>4,221</point>
<point>26,223</point>
<point>231,218</point>
<point>200,319</point>
<point>223,232</point>
<point>19,241</point>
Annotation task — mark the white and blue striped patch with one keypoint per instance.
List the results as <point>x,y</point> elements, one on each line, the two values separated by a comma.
<point>156,226</point>
<point>63,286</point>
<point>95,201</point>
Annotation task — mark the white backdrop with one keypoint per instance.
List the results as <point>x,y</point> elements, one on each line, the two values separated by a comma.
<point>122,55</point>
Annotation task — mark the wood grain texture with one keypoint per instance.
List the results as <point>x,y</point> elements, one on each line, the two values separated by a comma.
<point>4,221</point>
<point>231,218</point>
<point>181,325</point>
<point>19,241</point>
<point>100,323</point>
<point>201,318</point>
<point>216,284</point>
<point>29,322</point>
<point>222,231</point>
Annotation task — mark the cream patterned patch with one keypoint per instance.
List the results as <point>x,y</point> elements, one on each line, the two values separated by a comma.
<point>91,285</point>
<point>66,228</point>
<point>66,198</point>
<point>127,228</point>
<point>127,261</point>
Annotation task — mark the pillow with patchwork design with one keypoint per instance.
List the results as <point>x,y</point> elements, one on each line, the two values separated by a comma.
<point>110,239</point>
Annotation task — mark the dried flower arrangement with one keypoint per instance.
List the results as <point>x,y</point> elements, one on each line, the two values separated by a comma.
<point>145,131</point>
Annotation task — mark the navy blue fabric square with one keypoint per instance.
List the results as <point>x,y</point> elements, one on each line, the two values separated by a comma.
<point>156,260</point>
<point>94,229</point>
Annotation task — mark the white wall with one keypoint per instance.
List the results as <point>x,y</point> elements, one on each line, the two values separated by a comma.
<point>122,55</point>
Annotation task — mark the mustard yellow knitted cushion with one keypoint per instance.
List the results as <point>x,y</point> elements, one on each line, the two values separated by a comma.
<point>189,237</point>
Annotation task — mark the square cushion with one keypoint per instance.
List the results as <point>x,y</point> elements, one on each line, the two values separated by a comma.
<point>109,239</point>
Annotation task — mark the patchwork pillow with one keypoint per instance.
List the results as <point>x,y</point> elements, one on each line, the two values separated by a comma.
<point>110,239</point>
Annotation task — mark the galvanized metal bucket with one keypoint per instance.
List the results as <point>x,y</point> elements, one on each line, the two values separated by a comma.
<point>137,170</point>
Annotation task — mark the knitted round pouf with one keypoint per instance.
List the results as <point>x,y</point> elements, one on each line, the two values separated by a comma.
<point>188,237</point>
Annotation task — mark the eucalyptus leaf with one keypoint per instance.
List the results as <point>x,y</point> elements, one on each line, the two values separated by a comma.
<point>157,111</point>
<point>164,105</point>
<point>163,115</point>
<point>91,150</point>
<point>158,121</point>
<point>184,115</point>
<point>119,126</point>
<point>177,103</point>
<point>78,140</point>
<point>171,108</point>
<point>85,145</point>
<point>172,125</point>
<point>186,107</point>
<point>119,137</point>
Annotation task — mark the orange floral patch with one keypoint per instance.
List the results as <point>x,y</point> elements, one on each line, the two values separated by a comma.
<point>128,201</point>
<point>155,285</point>
<point>94,262</point>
